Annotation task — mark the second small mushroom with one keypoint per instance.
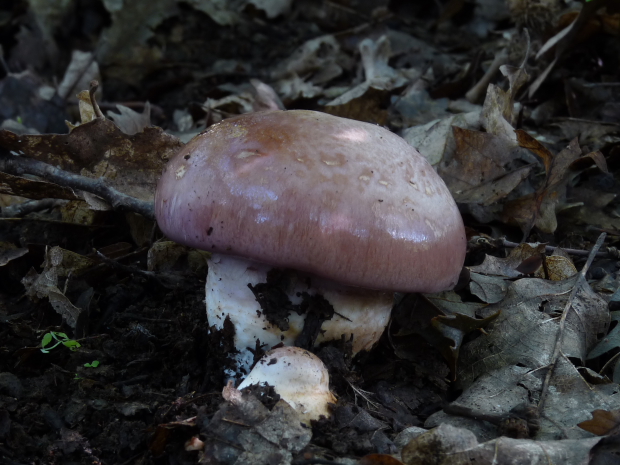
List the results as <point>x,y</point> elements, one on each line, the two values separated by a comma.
<point>354,210</point>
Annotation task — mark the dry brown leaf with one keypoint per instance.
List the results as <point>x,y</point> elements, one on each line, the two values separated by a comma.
<point>131,164</point>
<point>379,459</point>
<point>539,208</point>
<point>480,160</point>
<point>528,142</point>
<point>15,185</point>
<point>370,107</point>
<point>603,422</point>
<point>527,259</point>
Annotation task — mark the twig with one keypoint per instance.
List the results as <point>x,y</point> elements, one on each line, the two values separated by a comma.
<point>19,166</point>
<point>94,85</point>
<point>475,93</point>
<point>315,462</point>
<point>550,248</point>
<point>560,335</point>
<point>167,280</point>
<point>362,393</point>
<point>22,209</point>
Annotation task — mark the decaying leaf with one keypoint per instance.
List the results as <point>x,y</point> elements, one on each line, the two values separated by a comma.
<point>253,433</point>
<point>603,422</point>
<point>23,187</point>
<point>528,259</point>
<point>610,341</point>
<point>59,263</point>
<point>435,140</point>
<point>446,445</point>
<point>507,267</point>
<point>10,252</point>
<point>436,445</point>
<point>379,459</point>
<point>130,121</point>
<point>131,164</point>
<point>539,209</point>
<point>489,289</point>
<point>380,78</point>
<point>441,320</point>
<point>313,64</point>
<point>524,333</point>
<point>478,172</point>
<point>168,256</point>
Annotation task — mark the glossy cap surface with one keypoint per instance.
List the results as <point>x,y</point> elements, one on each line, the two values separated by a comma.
<point>342,199</point>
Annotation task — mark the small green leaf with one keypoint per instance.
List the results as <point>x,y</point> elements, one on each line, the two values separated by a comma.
<point>94,364</point>
<point>46,339</point>
<point>71,344</point>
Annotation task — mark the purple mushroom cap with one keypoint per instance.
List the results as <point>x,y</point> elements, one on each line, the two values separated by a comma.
<point>334,197</point>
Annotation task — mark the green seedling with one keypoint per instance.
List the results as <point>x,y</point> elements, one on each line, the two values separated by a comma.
<point>60,338</point>
<point>94,364</point>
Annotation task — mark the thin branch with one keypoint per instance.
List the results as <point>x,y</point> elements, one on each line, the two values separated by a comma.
<point>551,249</point>
<point>94,85</point>
<point>22,209</point>
<point>19,166</point>
<point>581,279</point>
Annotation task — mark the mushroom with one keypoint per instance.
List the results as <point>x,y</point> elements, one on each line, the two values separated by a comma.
<point>298,376</point>
<point>349,208</point>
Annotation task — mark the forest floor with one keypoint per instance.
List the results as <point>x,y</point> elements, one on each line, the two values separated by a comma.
<point>106,354</point>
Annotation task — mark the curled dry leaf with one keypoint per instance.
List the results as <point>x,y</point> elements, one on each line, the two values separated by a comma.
<point>59,263</point>
<point>539,209</point>
<point>130,121</point>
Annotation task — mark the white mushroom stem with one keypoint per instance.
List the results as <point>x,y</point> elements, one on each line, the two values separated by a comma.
<point>359,312</point>
<point>298,376</point>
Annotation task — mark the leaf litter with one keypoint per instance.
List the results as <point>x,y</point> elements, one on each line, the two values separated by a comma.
<point>517,363</point>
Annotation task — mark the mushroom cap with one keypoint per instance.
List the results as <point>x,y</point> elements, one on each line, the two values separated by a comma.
<point>298,376</point>
<point>334,197</point>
